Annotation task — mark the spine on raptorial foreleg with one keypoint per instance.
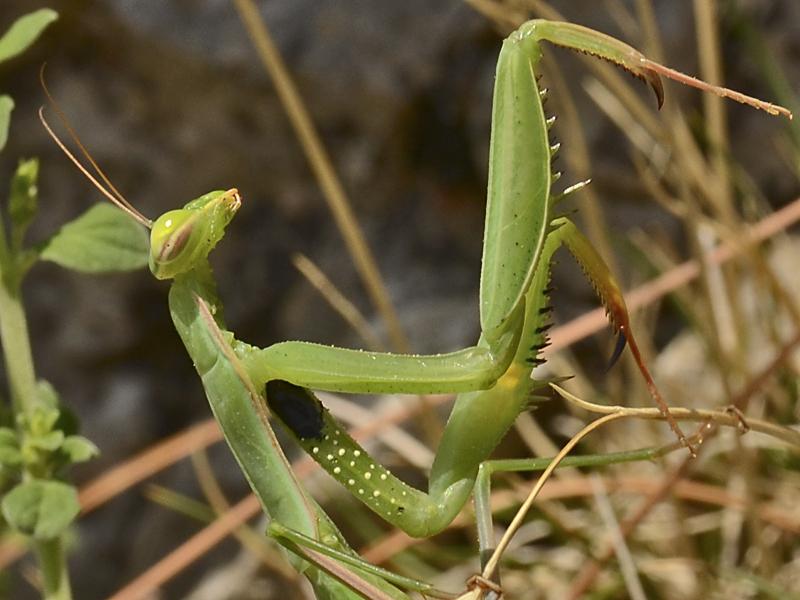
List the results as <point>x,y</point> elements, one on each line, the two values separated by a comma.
<point>324,439</point>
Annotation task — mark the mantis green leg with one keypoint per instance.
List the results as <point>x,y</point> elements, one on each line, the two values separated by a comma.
<point>300,543</point>
<point>494,377</point>
<point>519,203</point>
<point>343,370</point>
<point>482,492</point>
<point>313,550</point>
<point>477,423</point>
<point>239,410</point>
<point>518,215</point>
<point>518,230</point>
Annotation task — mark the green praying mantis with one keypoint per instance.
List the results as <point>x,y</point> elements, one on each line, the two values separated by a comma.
<point>493,379</point>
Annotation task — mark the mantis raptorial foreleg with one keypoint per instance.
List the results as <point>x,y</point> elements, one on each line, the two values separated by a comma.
<point>493,378</point>
<point>477,423</point>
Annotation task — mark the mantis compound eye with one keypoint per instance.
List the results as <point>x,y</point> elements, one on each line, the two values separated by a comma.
<point>171,241</point>
<point>172,232</point>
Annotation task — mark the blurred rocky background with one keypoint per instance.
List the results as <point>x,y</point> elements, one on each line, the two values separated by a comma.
<point>172,102</point>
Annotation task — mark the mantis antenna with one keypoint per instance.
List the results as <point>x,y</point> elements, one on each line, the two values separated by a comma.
<point>110,192</point>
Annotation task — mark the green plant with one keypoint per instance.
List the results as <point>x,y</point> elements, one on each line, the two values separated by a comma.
<point>39,435</point>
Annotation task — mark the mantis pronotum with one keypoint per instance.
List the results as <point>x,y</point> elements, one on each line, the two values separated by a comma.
<point>493,379</point>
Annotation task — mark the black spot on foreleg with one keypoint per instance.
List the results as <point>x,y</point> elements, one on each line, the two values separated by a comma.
<point>297,407</point>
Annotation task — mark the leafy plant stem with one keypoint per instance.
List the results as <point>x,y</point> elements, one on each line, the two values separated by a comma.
<point>18,357</point>
<point>16,344</point>
<point>53,565</point>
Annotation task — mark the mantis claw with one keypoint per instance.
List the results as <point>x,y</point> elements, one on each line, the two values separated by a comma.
<point>650,77</point>
<point>620,346</point>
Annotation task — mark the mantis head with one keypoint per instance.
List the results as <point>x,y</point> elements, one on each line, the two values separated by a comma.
<point>179,239</point>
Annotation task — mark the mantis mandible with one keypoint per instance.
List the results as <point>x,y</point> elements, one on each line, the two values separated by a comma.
<point>493,378</point>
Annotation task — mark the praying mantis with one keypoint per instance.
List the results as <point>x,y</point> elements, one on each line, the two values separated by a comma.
<point>493,379</point>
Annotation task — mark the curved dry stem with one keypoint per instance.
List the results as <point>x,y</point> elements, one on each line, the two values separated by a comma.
<point>491,565</point>
<point>612,413</point>
<point>718,417</point>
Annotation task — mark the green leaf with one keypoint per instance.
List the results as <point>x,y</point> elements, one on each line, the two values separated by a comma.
<point>42,509</point>
<point>24,31</point>
<point>47,394</point>
<point>6,106</point>
<point>40,421</point>
<point>49,442</point>
<point>79,449</point>
<point>22,202</point>
<point>10,456</point>
<point>102,239</point>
